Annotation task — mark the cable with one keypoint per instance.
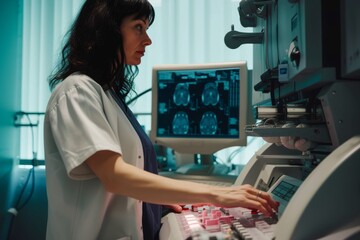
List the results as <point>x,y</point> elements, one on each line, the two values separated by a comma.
<point>233,154</point>
<point>31,174</point>
<point>137,96</point>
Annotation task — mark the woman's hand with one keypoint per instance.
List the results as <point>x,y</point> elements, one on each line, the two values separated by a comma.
<point>174,208</point>
<point>246,196</point>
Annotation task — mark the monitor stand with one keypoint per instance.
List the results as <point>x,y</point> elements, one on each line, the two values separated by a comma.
<point>203,165</point>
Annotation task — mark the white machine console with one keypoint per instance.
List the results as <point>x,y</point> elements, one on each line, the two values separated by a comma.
<point>324,206</point>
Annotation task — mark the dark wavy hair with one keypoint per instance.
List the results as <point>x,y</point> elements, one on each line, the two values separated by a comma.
<point>95,41</point>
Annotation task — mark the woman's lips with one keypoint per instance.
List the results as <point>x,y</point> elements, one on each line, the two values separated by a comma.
<point>142,53</point>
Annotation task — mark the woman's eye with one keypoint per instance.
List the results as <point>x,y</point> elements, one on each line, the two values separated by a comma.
<point>139,27</point>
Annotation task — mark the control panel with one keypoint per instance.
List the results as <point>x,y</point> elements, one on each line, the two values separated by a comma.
<point>204,221</point>
<point>209,222</point>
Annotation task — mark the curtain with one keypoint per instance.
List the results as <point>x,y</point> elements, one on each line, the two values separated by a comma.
<point>45,23</point>
<point>184,31</point>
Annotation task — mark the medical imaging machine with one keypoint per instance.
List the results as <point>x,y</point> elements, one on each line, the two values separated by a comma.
<point>305,92</point>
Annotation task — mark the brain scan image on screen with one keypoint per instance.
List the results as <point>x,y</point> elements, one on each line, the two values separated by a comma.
<point>199,102</point>
<point>181,95</point>
<point>210,94</point>
<point>180,123</point>
<point>208,123</point>
<point>199,108</point>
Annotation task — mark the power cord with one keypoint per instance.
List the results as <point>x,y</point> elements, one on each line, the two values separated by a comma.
<point>31,175</point>
<point>137,96</point>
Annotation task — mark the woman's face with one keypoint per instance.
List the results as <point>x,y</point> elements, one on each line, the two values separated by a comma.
<point>135,39</point>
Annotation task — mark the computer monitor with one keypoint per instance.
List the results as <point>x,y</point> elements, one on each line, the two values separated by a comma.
<point>199,108</point>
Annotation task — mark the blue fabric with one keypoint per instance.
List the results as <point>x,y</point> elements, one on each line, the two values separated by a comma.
<point>151,212</point>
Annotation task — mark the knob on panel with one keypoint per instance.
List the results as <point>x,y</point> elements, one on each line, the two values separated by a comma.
<point>294,53</point>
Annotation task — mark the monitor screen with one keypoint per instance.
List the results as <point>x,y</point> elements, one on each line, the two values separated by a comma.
<point>199,108</point>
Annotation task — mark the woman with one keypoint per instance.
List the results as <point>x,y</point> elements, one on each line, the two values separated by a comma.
<point>101,166</point>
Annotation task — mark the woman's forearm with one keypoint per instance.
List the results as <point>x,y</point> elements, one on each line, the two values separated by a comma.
<point>139,184</point>
<point>124,179</point>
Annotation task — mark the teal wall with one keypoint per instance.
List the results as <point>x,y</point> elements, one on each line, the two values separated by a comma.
<point>10,87</point>
<point>10,77</point>
<point>10,92</point>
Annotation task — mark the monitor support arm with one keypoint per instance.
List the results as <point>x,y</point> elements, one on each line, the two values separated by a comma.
<point>234,39</point>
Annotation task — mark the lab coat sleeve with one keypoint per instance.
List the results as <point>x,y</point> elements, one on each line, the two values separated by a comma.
<point>80,128</point>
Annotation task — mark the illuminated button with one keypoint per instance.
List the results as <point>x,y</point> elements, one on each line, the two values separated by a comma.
<point>254,212</point>
<point>204,219</point>
<point>215,213</point>
<point>195,227</point>
<point>235,224</point>
<point>263,226</point>
<point>212,222</point>
<point>190,216</point>
<point>240,227</point>
<point>242,231</point>
<point>247,237</point>
<point>225,228</point>
<point>226,219</point>
<point>190,222</point>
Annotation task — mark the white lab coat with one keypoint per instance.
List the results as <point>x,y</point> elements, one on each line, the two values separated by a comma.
<point>80,120</point>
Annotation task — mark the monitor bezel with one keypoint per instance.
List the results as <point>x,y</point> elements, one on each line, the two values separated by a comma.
<point>196,145</point>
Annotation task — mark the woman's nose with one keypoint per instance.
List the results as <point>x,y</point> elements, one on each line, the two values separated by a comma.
<point>147,40</point>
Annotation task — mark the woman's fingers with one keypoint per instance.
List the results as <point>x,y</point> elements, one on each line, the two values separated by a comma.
<point>263,202</point>
<point>175,207</point>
